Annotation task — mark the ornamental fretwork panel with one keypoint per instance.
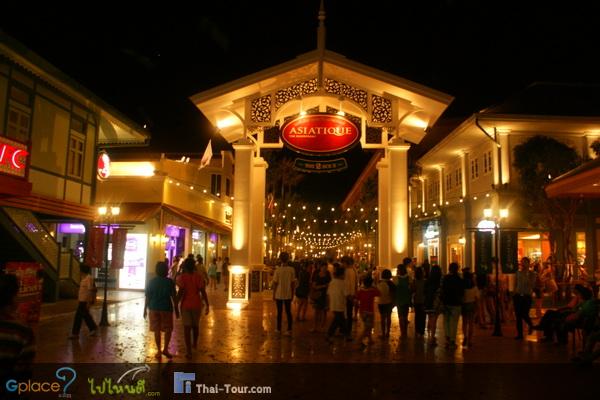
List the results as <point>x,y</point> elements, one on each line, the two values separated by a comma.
<point>261,109</point>
<point>238,286</point>
<point>359,96</point>
<point>299,89</point>
<point>381,109</point>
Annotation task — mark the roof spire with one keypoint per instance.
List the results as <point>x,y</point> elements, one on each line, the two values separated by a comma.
<point>321,29</point>
<point>321,43</point>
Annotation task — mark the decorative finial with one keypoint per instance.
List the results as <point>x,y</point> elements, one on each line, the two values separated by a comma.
<point>321,29</point>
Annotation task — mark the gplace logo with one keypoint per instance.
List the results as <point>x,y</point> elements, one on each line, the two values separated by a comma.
<point>182,382</point>
<point>65,374</point>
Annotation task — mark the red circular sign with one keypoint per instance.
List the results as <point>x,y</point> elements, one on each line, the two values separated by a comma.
<point>320,134</point>
<point>103,166</point>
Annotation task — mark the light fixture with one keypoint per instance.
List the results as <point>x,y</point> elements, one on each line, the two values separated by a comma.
<point>487,213</point>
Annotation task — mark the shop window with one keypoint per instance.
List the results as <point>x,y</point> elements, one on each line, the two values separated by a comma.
<point>580,247</point>
<point>75,160</point>
<point>19,115</point>
<point>475,168</point>
<point>215,184</point>
<point>227,187</point>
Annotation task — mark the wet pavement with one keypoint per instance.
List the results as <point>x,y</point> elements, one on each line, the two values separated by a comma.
<point>248,336</point>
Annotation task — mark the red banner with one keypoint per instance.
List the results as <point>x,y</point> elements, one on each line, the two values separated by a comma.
<point>94,254</point>
<point>29,298</point>
<point>119,240</point>
<point>320,134</point>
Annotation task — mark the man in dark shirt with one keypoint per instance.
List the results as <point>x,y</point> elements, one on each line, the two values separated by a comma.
<point>452,295</point>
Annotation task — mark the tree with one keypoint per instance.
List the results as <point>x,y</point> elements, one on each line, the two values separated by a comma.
<point>538,160</point>
<point>596,147</point>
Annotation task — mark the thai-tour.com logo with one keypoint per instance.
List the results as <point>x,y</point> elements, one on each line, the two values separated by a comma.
<point>184,383</point>
<point>65,377</point>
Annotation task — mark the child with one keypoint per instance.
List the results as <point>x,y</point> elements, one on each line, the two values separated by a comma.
<point>337,302</point>
<point>387,294</point>
<point>161,301</point>
<point>366,297</point>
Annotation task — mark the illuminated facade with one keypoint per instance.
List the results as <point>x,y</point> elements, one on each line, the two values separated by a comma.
<point>51,130</point>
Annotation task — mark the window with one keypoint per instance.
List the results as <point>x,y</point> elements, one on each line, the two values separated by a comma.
<point>19,115</point>
<point>75,160</point>
<point>448,182</point>
<point>475,168</point>
<point>487,162</point>
<point>433,191</point>
<point>215,184</point>
<point>227,187</point>
<point>458,177</point>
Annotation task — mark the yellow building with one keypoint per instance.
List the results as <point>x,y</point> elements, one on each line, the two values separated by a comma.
<point>51,130</point>
<point>171,208</point>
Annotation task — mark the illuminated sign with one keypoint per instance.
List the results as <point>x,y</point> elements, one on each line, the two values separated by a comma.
<point>320,134</point>
<point>103,166</point>
<point>312,166</point>
<point>13,157</point>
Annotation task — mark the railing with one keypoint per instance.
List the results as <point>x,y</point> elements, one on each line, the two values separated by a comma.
<point>37,234</point>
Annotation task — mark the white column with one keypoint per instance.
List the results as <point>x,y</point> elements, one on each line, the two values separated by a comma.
<point>441,188</point>
<point>239,281</point>
<point>383,214</point>
<point>257,212</point>
<point>398,200</point>
<point>504,157</point>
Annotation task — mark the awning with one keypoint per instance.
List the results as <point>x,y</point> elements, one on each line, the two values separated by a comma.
<point>199,221</point>
<point>49,206</point>
<point>137,213</point>
<point>583,181</point>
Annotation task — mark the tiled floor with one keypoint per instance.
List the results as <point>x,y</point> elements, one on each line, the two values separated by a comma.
<point>248,336</point>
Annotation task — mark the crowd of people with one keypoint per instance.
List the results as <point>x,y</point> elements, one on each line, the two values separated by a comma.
<point>344,288</point>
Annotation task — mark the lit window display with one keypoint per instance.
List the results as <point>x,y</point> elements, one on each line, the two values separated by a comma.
<point>534,245</point>
<point>133,273</point>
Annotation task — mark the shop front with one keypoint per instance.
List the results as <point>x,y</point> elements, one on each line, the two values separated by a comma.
<point>426,241</point>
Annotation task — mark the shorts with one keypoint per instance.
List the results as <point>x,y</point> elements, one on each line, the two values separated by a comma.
<point>368,319</point>
<point>161,321</point>
<point>468,308</point>
<point>385,308</point>
<point>191,317</point>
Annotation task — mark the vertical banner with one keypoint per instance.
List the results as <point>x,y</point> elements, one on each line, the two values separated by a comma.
<point>483,252</point>
<point>29,298</point>
<point>509,257</point>
<point>119,240</point>
<point>94,254</point>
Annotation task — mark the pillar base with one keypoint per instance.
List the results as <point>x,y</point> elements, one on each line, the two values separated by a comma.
<point>237,304</point>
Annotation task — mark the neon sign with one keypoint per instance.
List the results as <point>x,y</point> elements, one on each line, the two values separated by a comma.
<point>13,157</point>
<point>316,134</point>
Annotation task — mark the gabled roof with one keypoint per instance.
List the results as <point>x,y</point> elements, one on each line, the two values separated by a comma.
<point>115,129</point>
<point>552,99</point>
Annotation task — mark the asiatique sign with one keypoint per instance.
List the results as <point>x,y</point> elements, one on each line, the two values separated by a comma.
<point>320,133</point>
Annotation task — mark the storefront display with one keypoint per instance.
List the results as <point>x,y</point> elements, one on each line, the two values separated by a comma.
<point>133,273</point>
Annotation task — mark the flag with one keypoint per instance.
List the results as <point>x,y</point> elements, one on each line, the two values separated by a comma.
<point>94,253</point>
<point>207,156</point>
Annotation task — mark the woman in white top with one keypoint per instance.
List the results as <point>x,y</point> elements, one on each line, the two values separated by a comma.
<point>385,305</point>
<point>469,303</point>
<point>87,297</point>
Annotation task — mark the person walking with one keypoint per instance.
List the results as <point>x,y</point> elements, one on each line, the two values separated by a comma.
<point>302,290</point>
<point>161,301</point>
<point>403,295</point>
<point>338,294</point>
<point>386,297</point>
<point>433,303</point>
<point>418,289</point>
<point>469,306</point>
<point>212,274</point>
<point>226,273</point>
<point>366,298</point>
<point>284,282</point>
<point>452,297</point>
<point>86,297</point>
<point>351,279</point>
<point>191,287</point>
<point>318,295</point>
<point>525,283</point>
<point>219,269</point>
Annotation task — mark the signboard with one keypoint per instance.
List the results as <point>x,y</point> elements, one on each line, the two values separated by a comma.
<point>133,273</point>
<point>483,252</point>
<point>103,166</point>
<point>13,157</point>
<point>318,167</point>
<point>320,133</point>
<point>29,297</point>
<point>509,257</point>
<point>94,254</point>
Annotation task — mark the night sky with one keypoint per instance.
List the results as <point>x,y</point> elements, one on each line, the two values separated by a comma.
<point>147,61</point>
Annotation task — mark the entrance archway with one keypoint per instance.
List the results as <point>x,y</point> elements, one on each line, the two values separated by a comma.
<point>244,112</point>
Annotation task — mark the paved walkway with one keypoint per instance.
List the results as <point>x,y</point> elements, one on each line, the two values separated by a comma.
<point>248,335</point>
